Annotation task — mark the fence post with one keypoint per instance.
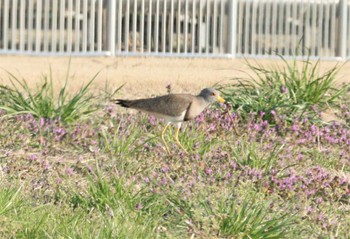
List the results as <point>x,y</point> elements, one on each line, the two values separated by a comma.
<point>232,24</point>
<point>111,26</point>
<point>343,10</point>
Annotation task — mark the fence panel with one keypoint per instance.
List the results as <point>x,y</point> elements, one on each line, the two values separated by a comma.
<point>171,27</point>
<point>190,28</point>
<point>284,27</point>
<point>52,26</point>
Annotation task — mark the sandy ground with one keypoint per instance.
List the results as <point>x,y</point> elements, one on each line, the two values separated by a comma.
<point>144,76</point>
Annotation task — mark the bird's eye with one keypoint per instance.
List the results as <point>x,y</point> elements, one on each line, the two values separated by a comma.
<point>212,93</point>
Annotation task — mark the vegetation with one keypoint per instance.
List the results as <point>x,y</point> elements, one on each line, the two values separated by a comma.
<point>263,166</point>
<point>295,89</point>
<point>19,99</point>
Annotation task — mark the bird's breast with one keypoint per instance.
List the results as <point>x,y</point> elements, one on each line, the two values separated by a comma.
<point>194,110</point>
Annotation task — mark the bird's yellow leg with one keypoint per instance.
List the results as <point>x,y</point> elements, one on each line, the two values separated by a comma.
<point>166,145</point>
<point>177,138</point>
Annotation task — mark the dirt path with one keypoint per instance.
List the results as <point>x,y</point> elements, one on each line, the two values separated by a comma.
<point>144,76</point>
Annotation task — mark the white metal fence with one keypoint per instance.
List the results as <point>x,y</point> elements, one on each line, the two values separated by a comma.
<point>219,28</point>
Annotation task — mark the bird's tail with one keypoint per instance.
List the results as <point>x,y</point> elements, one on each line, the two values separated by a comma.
<point>123,103</point>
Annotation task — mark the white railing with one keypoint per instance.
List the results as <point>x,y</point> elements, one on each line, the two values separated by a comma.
<point>210,28</point>
<point>170,27</point>
<point>284,27</point>
<point>51,26</point>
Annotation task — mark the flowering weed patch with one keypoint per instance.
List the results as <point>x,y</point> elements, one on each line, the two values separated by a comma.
<point>110,177</point>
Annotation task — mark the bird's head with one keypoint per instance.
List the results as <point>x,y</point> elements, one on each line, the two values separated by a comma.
<point>211,95</point>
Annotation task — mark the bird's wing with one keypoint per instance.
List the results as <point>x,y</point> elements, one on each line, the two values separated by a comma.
<point>171,105</point>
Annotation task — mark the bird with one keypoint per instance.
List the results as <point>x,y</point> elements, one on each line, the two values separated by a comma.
<point>174,108</point>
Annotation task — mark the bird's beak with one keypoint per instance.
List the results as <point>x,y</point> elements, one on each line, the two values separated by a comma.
<point>220,99</point>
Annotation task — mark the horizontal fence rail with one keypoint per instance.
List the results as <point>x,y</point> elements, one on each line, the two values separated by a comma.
<point>190,28</point>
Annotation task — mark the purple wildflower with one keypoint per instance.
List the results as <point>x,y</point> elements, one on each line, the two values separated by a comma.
<point>70,171</point>
<point>138,206</point>
<point>208,171</point>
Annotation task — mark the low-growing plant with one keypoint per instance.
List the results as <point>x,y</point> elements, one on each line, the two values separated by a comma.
<point>191,138</point>
<point>144,213</point>
<point>111,206</point>
<point>116,143</point>
<point>290,90</point>
<point>8,200</point>
<point>249,154</point>
<point>16,215</point>
<point>252,219</point>
<point>19,98</point>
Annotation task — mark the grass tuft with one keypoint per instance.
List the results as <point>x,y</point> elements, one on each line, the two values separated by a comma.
<point>252,219</point>
<point>297,89</point>
<point>19,98</point>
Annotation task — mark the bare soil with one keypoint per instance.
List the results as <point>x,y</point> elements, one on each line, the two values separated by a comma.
<point>144,76</point>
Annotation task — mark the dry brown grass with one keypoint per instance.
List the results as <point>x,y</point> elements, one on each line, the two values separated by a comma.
<point>145,76</point>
